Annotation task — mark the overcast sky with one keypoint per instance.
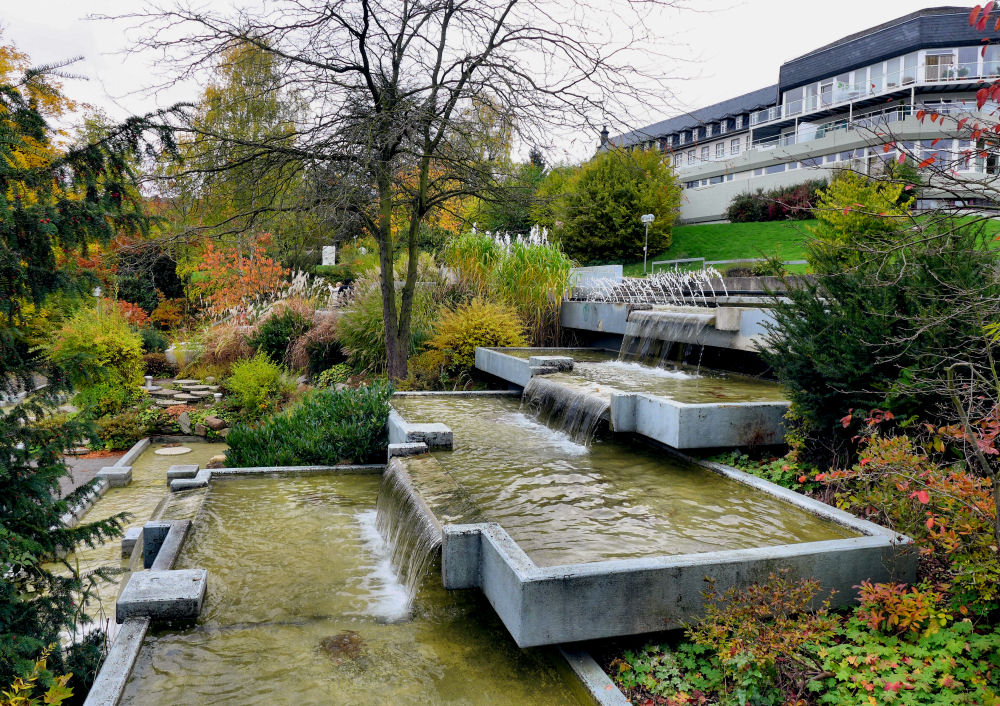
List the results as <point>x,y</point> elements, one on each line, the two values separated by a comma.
<point>733,47</point>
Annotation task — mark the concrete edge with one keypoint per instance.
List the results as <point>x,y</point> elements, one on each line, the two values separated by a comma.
<point>594,680</point>
<point>133,453</point>
<point>459,393</point>
<point>295,470</point>
<point>71,518</point>
<point>113,676</point>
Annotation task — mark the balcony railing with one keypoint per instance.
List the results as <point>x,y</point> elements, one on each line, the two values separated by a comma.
<point>841,93</point>
<point>861,121</point>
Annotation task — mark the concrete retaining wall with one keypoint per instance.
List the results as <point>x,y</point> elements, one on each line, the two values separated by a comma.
<point>699,426</point>
<point>736,327</point>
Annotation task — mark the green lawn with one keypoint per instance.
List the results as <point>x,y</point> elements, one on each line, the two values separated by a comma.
<point>731,241</point>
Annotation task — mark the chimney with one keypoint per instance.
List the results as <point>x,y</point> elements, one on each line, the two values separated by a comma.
<point>604,136</point>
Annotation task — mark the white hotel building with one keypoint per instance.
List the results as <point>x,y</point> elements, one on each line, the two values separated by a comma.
<point>826,108</point>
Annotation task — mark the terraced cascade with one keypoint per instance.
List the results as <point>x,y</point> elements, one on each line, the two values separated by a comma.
<point>650,335</point>
<point>566,503</point>
<point>143,498</point>
<point>304,607</point>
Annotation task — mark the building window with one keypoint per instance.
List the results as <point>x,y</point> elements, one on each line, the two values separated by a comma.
<point>793,165</point>
<point>723,127</point>
<point>716,179</point>
<point>758,172</point>
<point>734,146</point>
<point>720,150</point>
<point>776,169</point>
<point>739,122</point>
<point>691,157</point>
<point>692,185</point>
<point>730,177</point>
<point>704,153</point>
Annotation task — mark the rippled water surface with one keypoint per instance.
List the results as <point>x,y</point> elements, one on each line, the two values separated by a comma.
<point>303,608</point>
<point>567,503</point>
<point>602,372</point>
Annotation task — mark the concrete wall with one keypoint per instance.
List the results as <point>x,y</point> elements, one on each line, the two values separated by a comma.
<point>736,327</point>
<point>699,426</point>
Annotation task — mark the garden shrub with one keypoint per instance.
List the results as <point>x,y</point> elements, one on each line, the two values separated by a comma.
<point>157,365</point>
<point>600,215</point>
<point>361,327</point>
<point>257,384</point>
<point>530,274</point>
<point>335,273</point>
<point>223,345</point>
<point>153,341</point>
<point>278,332</point>
<point>333,375</point>
<point>168,314</point>
<point>102,358</point>
<point>318,348</point>
<point>120,431</point>
<point>479,323</point>
<point>781,204</point>
<point>325,428</point>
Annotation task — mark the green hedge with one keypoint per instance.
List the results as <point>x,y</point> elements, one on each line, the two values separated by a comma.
<point>325,428</point>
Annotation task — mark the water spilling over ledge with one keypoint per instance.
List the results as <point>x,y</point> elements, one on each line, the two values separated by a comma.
<point>650,336</point>
<point>573,410</point>
<point>411,532</point>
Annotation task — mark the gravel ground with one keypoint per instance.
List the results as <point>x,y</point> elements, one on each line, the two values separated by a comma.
<point>83,470</point>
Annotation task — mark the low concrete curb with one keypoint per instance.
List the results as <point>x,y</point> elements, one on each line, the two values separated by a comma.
<point>163,595</point>
<point>596,682</point>
<point>77,511</point>
<point>435,435</point>
<point>110,683</point>
<point>116,476</point>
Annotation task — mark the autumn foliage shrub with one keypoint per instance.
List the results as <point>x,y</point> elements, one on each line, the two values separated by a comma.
<point>157,365</point>
<point>781,204</point>
<point>229,278</point>
<point>479,323</point>
<point>949,513</point>
<point>102,357</point>
<point>318,348</point>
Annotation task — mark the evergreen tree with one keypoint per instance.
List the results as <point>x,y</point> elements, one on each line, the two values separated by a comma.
<point>52,202</point>
<point>605,200</point>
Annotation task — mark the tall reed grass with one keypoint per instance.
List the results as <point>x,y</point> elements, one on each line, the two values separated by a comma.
<point>528,273</point>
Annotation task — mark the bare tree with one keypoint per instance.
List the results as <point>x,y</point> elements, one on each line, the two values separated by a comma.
<point>392,133</point>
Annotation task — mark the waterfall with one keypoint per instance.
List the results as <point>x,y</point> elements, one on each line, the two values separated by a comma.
<point>650,334</point>
<point>409,528</point>
<point>571,409</point>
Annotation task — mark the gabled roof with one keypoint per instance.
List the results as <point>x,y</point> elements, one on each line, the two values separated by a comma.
<point>747,103</point>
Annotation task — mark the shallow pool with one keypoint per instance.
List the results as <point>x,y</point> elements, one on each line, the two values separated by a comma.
<point>567,503</point>
<point>304,608</point>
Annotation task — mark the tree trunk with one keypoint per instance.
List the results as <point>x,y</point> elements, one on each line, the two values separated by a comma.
<point>396,344</point>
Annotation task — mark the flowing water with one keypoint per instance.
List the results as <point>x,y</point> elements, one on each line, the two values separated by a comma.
<point>572,409</point>
<point>142,498</point>
<point>565,503</point>
<point>303,607</point>
<point>650,336</point>
<point>408,527</point>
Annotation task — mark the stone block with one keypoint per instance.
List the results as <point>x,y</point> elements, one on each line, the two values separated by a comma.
<point>163,595</point>
<point>183,419</point>
<point>215,423</point>
<point>412,449</point>
<point>130,539</point>
<point>185,470</point>
<point>116,476</point>
<point>200,430</point>
<point>200,480</point>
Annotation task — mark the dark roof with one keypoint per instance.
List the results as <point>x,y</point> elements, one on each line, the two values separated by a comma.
<point>930,28</point>
<point>748,102</point>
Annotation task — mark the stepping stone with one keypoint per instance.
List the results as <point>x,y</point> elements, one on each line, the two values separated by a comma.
<point>173,451</point>
<point>160,392</point>
<point>213,388</point>
<point>167,403</point>
<point>184,397</point>
<point>150,390</point>
<point>187,381</point>
<point>193,388</point>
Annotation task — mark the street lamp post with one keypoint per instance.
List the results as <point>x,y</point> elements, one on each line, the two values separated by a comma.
<point>647,219</point>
